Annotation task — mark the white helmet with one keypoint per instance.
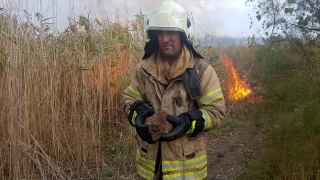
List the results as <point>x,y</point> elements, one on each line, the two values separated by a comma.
<point>169,16</point>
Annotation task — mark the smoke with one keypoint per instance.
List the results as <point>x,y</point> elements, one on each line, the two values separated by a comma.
<point>215,17</point>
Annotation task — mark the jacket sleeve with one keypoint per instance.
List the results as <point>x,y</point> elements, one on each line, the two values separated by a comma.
<point>133,92</point>
<point>211,103</point>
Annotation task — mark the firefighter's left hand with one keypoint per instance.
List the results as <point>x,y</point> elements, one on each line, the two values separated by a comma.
<point>186,123</point>
<point>181,125</point>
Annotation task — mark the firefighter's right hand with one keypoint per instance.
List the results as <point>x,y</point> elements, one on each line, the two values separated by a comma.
<point>136,108</point>
<point>143,129</point>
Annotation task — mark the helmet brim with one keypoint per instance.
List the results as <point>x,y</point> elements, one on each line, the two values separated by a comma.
<point>152,29</point>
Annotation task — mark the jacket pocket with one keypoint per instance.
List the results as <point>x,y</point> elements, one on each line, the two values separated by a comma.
<point>194,148</point>
<point>180,102</point>
<point>142,146</point>
<point>147,150</point>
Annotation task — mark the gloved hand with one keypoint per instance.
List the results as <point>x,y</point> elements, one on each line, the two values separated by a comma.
<point>143,129</point>
<point>186,123</point>
<point>136,108</point>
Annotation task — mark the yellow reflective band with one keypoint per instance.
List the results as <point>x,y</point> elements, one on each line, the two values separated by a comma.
<point>144,173</point>
<point>210,97</point>
<point>134,115</point>
<point>197,175</point>
<point>133,93</point>
<point>207,119</point>
<point>194,163</point>
<point>193,126</point>
<point>146,162</point>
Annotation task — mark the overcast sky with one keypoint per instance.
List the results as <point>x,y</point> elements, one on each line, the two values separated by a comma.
<point>217,17</point>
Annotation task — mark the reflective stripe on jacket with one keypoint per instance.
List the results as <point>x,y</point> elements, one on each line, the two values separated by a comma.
<point>184,157</point>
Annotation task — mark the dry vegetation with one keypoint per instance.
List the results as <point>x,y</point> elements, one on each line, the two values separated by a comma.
<point>59,99</point>
<point>60,95</point>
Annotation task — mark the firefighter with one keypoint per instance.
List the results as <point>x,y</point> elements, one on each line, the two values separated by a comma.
<point>175,78</point>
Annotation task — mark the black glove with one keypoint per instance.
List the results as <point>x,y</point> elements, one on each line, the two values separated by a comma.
<point>136,108</point>
<point>143,129</point>
<point>186,123</point>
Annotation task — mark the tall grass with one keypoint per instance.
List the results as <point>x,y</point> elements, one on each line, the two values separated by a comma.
<point>59,100</point>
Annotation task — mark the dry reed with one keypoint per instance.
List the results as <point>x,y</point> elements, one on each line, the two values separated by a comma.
<point>59,102</point>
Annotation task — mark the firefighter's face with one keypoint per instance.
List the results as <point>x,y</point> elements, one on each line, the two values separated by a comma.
<point>170,44</point>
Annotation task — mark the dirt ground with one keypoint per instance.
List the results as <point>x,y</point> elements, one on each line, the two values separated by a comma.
<point>228,153</point>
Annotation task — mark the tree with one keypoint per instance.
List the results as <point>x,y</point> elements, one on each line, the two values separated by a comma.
<point>288,17</point>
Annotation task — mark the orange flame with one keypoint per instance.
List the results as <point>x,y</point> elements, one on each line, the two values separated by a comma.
<point>237,88</point>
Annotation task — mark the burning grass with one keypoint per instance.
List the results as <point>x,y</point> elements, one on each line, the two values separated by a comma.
<point>237,87</point>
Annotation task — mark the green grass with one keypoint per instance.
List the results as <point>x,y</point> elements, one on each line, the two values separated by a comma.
<point>227,125</point>
<point>292,148</point>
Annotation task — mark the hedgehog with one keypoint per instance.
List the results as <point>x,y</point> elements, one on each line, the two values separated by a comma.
<point>158,124</point>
